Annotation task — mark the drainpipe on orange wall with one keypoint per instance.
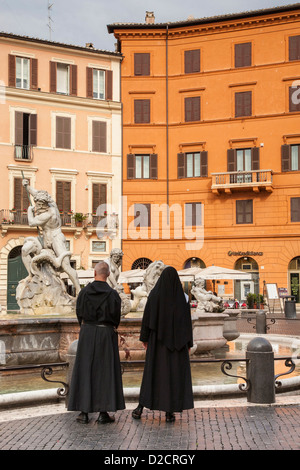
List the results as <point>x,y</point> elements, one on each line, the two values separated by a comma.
<point>167,123</point>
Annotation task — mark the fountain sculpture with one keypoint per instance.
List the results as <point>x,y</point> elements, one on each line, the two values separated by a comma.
<point>45,257</point>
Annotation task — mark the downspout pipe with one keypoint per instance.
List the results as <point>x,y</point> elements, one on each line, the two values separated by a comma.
<point>167,121</point>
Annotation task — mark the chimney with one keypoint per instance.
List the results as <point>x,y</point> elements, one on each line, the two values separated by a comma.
<point>150,18</point>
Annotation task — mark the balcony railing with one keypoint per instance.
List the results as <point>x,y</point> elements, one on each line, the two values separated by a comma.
<point>237,180</point>
<point>19,217</point>
<point>10,217</point>
<point>23,152</point>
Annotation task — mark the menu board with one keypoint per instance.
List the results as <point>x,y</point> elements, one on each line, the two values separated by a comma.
<point>282,291</point>
<point>272,291</point>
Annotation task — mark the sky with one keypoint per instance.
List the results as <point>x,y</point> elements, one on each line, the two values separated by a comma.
<point>78,22</point>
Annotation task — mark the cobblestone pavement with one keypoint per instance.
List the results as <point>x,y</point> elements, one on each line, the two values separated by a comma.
<point>224,425</point>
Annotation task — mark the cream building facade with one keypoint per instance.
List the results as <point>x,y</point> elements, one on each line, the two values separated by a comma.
<point>61,121</point>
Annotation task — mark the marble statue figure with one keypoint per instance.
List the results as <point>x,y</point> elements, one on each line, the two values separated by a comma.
<point>45,257</point>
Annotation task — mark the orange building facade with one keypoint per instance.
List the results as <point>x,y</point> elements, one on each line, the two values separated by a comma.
<point>60,113</point>
<point>211,144</point>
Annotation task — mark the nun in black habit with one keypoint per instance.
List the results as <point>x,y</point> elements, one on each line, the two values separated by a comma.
<point>96,384</point>
<point>167,335</point>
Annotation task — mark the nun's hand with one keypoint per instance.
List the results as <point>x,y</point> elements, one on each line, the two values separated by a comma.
<point>145,345</point>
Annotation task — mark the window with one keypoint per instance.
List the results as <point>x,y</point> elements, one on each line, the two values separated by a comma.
<point>99,140</point>
<point>290,157</point>
<point>63,78</point>
<point>242,55</point>
<point>142,64</point>
<point>63,132</point>
<point>98,247</point>
<point>192,165</point>
<point>63,196</point>
<point>141,111</point>
<point>141,263</point>
<point>25,134</point>
<point>244,163</point>
<point>244,211</point>
<point>243,104</point>
<point>22,72</point>
<point>295,209</point>
<point>99,195</point>
<point>142,166</point>
<point>294,98</point>
<point>21,201</point>
<point>193,214</point>
<point>295,157</point>
<point>243,159</point>
<point>99,84</point>
<point>192,61</point>
<point>142,215</point>
<point>294,48</point>
<point>192,109</point>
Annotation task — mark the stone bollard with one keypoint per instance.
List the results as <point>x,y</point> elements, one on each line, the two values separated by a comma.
<point>260,371</point>
<point>261,323</point>
<point>70,358</point>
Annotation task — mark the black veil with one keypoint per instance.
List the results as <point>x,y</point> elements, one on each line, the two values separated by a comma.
<point>168,312</point>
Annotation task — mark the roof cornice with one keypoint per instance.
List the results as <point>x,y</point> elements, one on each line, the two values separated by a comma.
<point>53,44</point>
<point>282,12</point>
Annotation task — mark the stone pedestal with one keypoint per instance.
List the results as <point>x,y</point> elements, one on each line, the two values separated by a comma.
<point>130,346</point>
<point>230,331</point>
<point>208,331</point>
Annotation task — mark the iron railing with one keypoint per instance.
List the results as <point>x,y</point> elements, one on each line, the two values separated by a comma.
<point>23,152</point>
<point>226,365</point>
<point>240,179</point>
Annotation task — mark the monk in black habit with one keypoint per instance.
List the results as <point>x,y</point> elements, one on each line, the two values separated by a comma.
<point>167,335</point>
<point>96,384</point>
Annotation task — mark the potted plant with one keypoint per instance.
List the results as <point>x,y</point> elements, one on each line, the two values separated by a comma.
<point>254,301</point>
<point>79,217</point>
<point>261,301</point>
<point>250,300</point>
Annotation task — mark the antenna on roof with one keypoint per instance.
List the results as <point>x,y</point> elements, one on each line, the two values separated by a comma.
<point>49,18</point>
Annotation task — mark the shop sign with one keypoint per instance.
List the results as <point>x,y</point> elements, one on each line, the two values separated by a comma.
<point>245,253</point>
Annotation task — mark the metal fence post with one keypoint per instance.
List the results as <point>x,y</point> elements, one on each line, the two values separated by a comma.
<point>260,371</point>
<point>261,323</point>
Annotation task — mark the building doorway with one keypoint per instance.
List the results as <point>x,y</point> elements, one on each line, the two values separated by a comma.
<point>294,278</point>
<point>16,271</point>
<point>243,288</point>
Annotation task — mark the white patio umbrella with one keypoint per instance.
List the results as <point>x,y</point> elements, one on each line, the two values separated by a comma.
<point>188,274</point>
<point>84,275</point>
<point>132,276</point>
<point>217,273</point>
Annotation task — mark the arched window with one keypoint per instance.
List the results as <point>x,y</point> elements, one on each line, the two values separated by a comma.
<point>141,263</point>
<point>17,251</point>
<point>194,263</point>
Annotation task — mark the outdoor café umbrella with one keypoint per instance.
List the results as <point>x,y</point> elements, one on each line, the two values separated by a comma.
<point>131,276</point>
<point>217,273</point>
<point>188,274</point>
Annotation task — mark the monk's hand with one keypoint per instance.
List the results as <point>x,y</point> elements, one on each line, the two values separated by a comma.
<point>145,345</point>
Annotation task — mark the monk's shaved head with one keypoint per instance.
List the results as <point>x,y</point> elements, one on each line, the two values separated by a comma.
<point>101,269</point>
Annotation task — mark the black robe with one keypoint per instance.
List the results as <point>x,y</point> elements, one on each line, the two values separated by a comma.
<point>167,328</point>
<point>96,383</point>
